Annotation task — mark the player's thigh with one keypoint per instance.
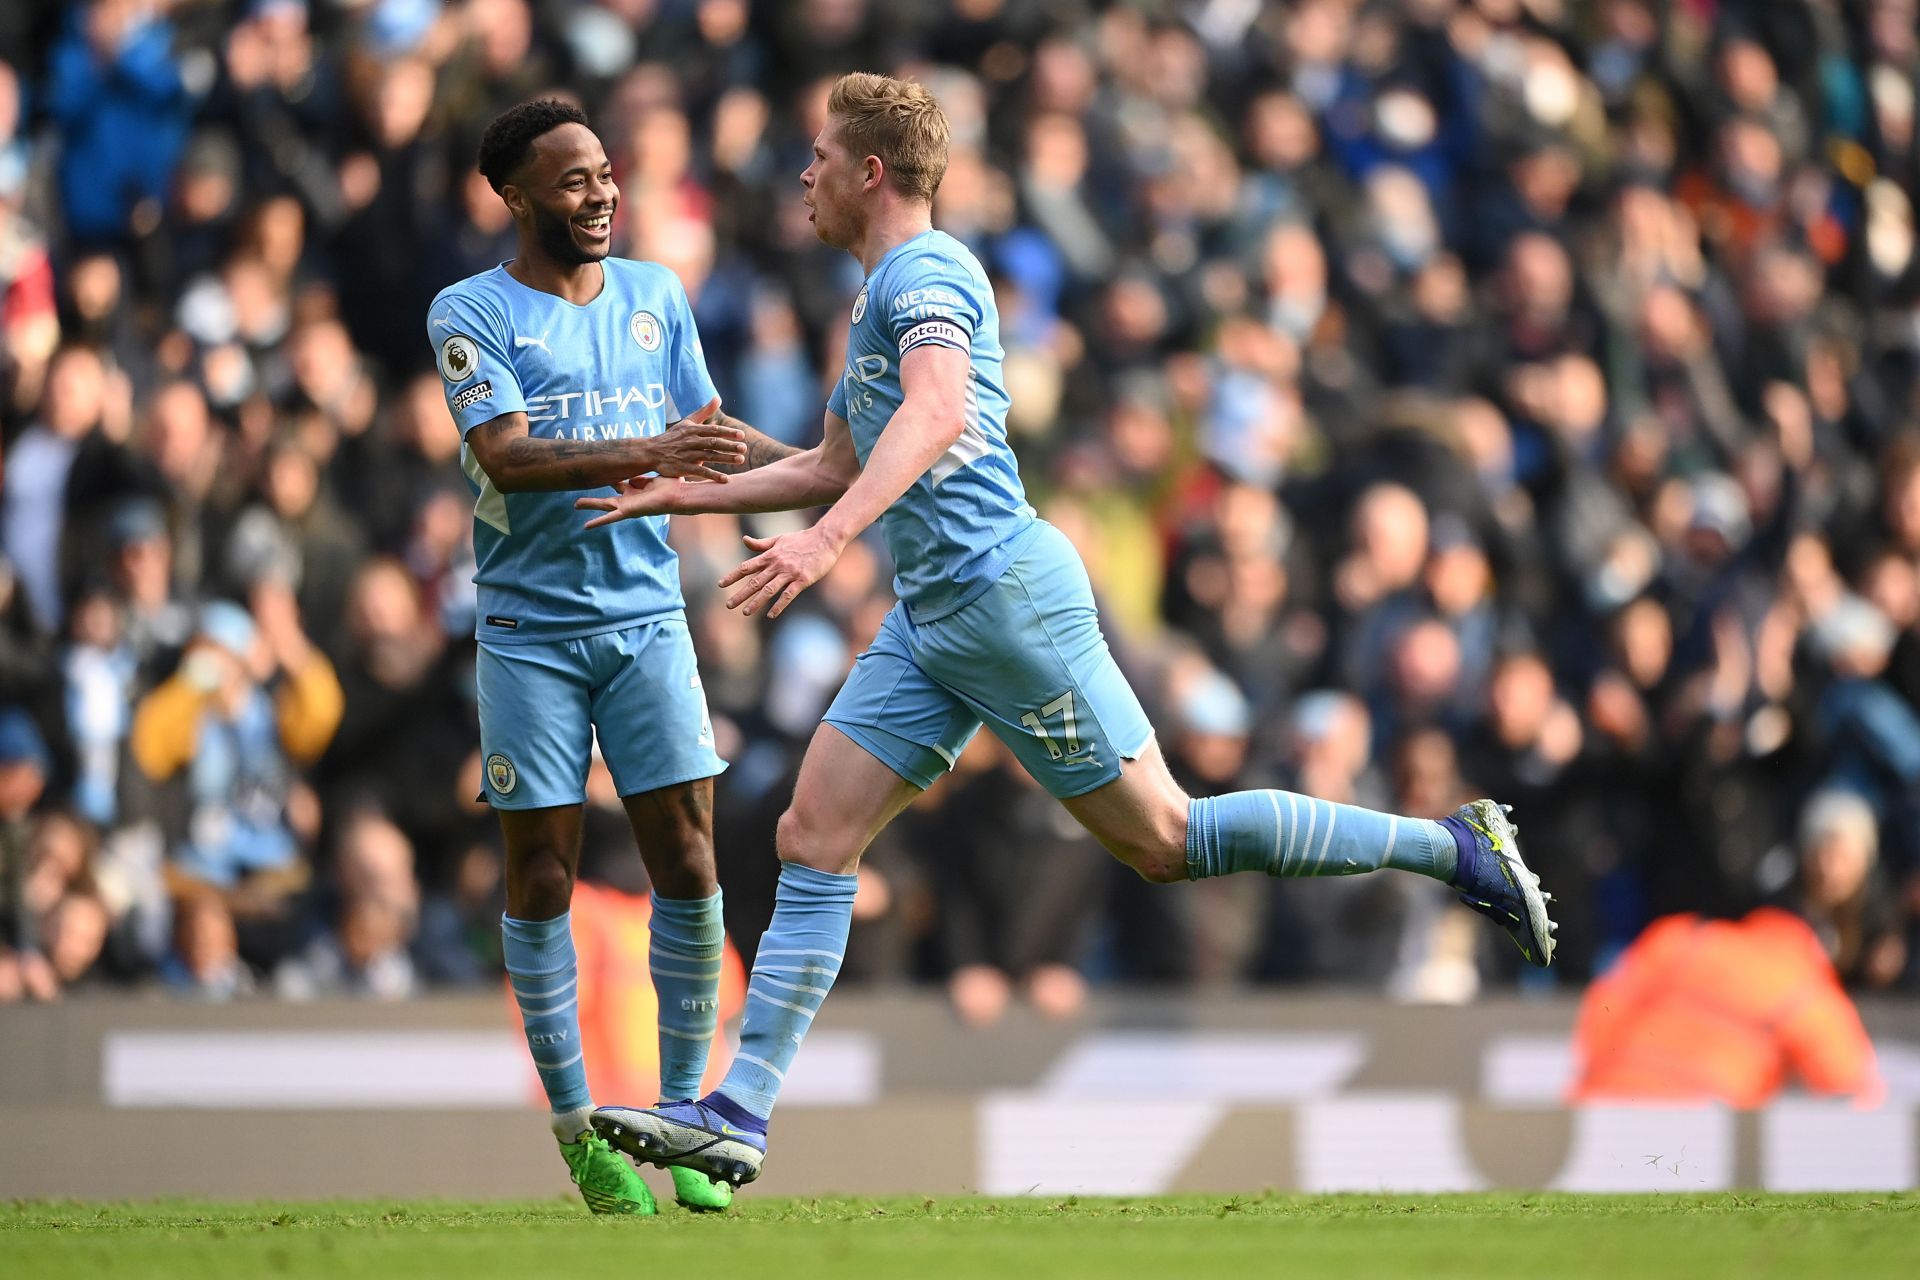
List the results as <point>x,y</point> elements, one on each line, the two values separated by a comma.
<point>845,795</point>
<point>536,733</point>
<point>899,714</point>
<point>673,825</point>
<point>1029,659</point>
<point>649,708</point>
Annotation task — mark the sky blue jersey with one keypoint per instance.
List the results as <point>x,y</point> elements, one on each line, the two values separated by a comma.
<point>962,523</point>
<point>626,364</point>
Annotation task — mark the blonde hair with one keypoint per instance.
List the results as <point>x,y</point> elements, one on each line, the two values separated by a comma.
<point>897,120</point>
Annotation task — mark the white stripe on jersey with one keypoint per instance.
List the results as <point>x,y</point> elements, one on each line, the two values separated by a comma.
<point>491,504</point>
<point>972,444</point>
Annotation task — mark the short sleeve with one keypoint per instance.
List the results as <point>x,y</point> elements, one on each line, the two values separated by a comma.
<point>690,385</point>
<point>470,348</point>
<point>932,302</point>
<point>837,398</point>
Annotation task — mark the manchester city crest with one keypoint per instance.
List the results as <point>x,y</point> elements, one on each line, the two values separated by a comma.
<point>645,328</point>
<point>860,305</point>
<point>501,774</point>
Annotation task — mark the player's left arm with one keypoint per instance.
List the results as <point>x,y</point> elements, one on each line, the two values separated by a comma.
<point>931,416</point>
<point>762,449</point>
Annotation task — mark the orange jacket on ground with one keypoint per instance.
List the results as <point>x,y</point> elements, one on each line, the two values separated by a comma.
<point>1727,1011</point>
<point>619,1015</point>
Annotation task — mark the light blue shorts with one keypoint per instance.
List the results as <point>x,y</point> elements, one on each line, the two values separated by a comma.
<point>1026,658</point>
<point>540,703</point>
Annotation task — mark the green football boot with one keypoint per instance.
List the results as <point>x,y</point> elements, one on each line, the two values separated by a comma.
<point>696,1191</point>
<point>607,1182</point>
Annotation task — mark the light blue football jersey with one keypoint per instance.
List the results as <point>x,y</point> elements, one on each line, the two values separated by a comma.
<point>626,364</point>
<point>962,523</point>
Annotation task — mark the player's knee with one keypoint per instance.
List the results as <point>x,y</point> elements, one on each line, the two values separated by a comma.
<point>1158,851</point>
<point>1161,868</point>
<point>539,886</point>
<point>683,868</point>
<point>803,839</point>
<point>1155,864</point>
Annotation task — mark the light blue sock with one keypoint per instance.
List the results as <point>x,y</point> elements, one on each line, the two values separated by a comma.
<point>685,958</point>
<point>540,965</point>
<point>1286,834</point>
<point>798,960</point>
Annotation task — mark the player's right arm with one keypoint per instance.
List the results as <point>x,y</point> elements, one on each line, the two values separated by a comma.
<point>811,478</point>
<point>518,462</point>
<point>471,339</point>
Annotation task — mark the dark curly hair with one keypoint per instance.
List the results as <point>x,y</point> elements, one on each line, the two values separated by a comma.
<point>504,146</point>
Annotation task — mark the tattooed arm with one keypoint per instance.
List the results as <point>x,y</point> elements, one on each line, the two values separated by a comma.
<point>761,449</point>
<point>516,462</point>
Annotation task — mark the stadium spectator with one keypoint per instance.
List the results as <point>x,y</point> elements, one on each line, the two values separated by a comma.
<point>1841,893</point>
<point>235,746</point>
<point>1019,891</point>
<point>1722,1011</point>
<point>58,470</point>
<point>157,622</point>
<point>60,891</point>
<point>24,764</point>
<point>405,718</point>
<point>360,947</point>
<point>29,324</point>
<point>204,960</point>
<point>123,102</point>
<point>100,667</point>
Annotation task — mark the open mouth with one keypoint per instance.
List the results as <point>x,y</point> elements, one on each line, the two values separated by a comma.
<point>597,227</point>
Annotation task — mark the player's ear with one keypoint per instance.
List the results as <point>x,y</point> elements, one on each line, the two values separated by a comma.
<point>516,200</point>
<point>876,173</point>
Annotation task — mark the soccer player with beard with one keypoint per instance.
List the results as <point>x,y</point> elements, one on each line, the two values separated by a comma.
<point>996,624</point>
<point>568,370</point>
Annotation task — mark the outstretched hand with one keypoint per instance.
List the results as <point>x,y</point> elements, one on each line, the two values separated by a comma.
<point>786,566</point>
<point>696,445</point>
<point>640,496</point>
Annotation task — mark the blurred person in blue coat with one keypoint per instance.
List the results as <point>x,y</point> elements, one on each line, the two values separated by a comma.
<point>120,96</point>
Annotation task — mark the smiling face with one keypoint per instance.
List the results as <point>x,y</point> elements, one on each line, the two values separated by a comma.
<point>565,196</point>
<point>836,183</point>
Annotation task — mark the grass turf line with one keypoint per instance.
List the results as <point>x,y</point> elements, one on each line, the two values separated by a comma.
<point>1564,1236</point>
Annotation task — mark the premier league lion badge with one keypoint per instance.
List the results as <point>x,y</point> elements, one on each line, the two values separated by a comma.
<point>459,358</point>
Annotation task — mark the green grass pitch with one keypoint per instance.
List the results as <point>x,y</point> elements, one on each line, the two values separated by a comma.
<point>1354,1237</point>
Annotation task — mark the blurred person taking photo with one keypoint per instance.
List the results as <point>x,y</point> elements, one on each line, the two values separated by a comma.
<point>252,703</point>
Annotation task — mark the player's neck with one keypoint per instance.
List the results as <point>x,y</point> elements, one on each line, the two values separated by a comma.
<point>578,283</point>
<point>890,227</point>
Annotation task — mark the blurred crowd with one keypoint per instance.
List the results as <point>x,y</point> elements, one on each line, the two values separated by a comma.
<point>1450,397</point>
